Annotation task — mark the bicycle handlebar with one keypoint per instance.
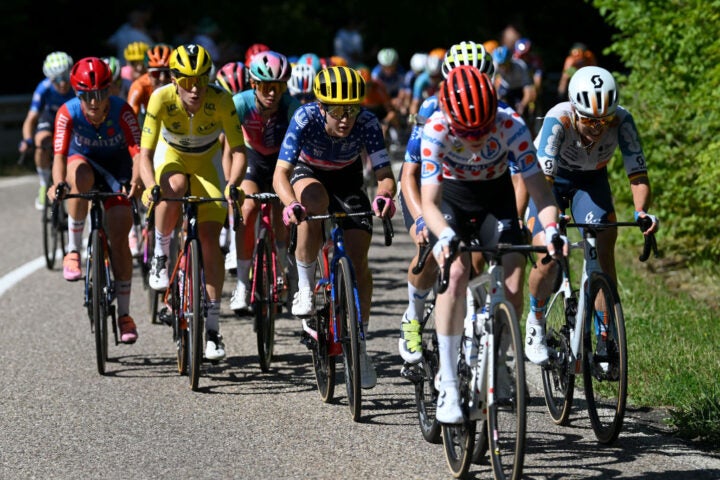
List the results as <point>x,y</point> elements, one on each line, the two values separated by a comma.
<point>643,223</point>
<point>423,253</point>
<point>155,193</point>
<point>62,193</point>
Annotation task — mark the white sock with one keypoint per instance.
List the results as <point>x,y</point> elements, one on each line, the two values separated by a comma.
<point>449,346</point>
<point>416,305</point>
<point>75,233</point>
<point>162,244</point>
<point>45,175</point>
<point>306,274</point>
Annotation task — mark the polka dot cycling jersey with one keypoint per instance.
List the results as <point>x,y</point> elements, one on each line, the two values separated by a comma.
<point>307,141</point>
<point>507,146</point>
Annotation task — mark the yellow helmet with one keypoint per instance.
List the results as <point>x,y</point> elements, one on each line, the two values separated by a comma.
<point>135,51</point>
<point>190,60</point>
<point>339,85</point>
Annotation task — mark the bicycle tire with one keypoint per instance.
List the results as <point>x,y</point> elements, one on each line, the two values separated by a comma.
<point>263,304</point>
<point>559,374</point>
<point>323,362</point>
<point>347,317</point>
<point>97,286</point>
<point>507,415</point>
<point>425,393</point>
<point>179,324</point>
<point>50,236</point>
<point>480,448</point>
<point>605,376</point>
<point>458,443</point>
<point>194,296</point>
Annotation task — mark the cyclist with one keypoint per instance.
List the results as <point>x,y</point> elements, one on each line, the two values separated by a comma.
<point>134,54</point>
<point>467,148</point>
<point>420,285</point>
<point>116,86</point>
<point>96,144</point>
<point>254,49</point>
<point>417,66</point>
<point>319,169</point>
<point>264,113</point>
<point>426,84</point>
<point>37,128</point>
<point>575,143</point>
<point>578,57</point>
<point>301,82</point>
<point>180,139</point>
<point>389,72</point>
<point>513,82</point>
<point>156,61</point>
<point>232,77</point>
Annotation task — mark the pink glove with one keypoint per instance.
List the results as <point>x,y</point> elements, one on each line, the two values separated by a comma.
<point>389,205</point>
<point>288,212</point>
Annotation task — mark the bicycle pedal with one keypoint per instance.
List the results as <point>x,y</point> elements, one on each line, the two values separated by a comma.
<point>165,316</point>
<point>413,372</point>
<point>308,341</point>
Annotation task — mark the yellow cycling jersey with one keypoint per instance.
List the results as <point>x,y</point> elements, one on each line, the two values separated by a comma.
<point>191,133</point>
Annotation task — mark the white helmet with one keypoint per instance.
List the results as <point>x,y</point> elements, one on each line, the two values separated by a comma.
<point>433,65</point>
<point>418,62</point>
<point>57,64</point>
<point>301,79</point>
<point>593,92</point>
<point>468,53</point>
<point>387,57</point>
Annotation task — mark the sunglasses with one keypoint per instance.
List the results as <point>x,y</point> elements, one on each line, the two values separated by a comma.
<point>267,87</point>
<point>187,83</point>
<point>159,72</point>
<point>471,135</point>
<point>595,123</point>
<point>97,95</point>
<point>340,111</point>
<point>61,79</point>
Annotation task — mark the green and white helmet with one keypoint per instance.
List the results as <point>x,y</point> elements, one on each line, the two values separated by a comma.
<point>57,65</point>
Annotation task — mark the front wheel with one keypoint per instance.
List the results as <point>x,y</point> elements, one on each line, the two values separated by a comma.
<point>194,302</point>
<point>263,304</point>
<point>346,315</point>
<point>425,393</point>
<point>323,361</point>
<point>97,284</point>
<point>507,412</point>
<point>605,359</point>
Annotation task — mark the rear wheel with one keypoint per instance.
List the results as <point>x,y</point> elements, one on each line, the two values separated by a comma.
<point>347,322</point>
<point>97,284</point>
<point>194,302</point>
<point>54,236</point>
<point>263,304</point>
<point>458,443</point>
<point>425,393</point>
<point>605,360</point>
<point>323,361</point>
<point>507,414</point>
<point>559,374</point>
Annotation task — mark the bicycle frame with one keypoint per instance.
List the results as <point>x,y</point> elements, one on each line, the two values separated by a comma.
<point>265,231</point>
<point>96,224</point>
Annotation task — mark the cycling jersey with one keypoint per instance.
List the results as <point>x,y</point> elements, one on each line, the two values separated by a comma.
<point>424,86</point>
<point>393,82</point>
<point>560,147</point>
<point>508,145</point>
<point>139,93</point>
<point>264,136</point>
<point>46,101</point>
<point>307,141</point>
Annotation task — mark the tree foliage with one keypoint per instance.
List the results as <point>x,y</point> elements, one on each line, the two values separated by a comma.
<point>672,53</point>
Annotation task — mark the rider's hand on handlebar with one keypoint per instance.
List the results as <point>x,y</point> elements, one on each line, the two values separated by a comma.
<point>387,210</point>
<point>234,194</point>
<point>442,246</point>
<point>148,197</point>
<point>422,236</point>
<point>645,219</point>
<point>556,244</point>
<point>289,213</point>
<point>57,191</point>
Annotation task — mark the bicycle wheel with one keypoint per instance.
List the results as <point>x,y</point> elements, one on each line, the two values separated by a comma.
<point>263,304</point>
<point>425,393</point>
<point>179,323</point>
<point>507,414</point>
<point>53,237</point>
<point>194,302</point>
<point>323,362</point>
<point>481,444</point>
<point>605,359</point>
<point>458,443</point>
<point>347,318</point>
<point>97,286</point>
<point>559,374</point>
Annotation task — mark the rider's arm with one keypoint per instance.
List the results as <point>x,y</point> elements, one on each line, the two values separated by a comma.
<point>238,165</point>
<point>281,182</point>
<point>149,139</point>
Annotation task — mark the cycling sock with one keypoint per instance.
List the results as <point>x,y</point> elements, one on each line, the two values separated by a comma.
<point>75,233</point>
<point>45,175</point>
<point>416,306</point>
<point>162,243</point>
<point>212,322</point>
<point>449,346</point>
<point>306,272</point>
<point>243,270</point>
<point>538,307</point>
<point>122,287</point>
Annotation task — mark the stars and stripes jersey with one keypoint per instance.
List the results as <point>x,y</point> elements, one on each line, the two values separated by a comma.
<point>559,144</point>
<point>307,141</point>
<point>508,146</point>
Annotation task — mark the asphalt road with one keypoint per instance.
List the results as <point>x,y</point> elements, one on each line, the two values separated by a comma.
<point>60,419</point>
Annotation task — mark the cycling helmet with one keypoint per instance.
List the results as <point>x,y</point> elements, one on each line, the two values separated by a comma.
<point>339,85</point>
<point>270,67</point>
<point>253,50</point>
<point>593,92</point>
<point>365,73</point>
<point>57,64</point>
<point>158,56</point>
<point>115,68</point>
<point>301,79</point>
<point>467,98</point>
<point>490,46</point>
<point>418,62</point>
<point>522,47</point>
<point>338,61</point>
<point>437,52</point>
<point>468,53</point>
<point>89,74</point>
<point>312,60</point>
<point>190,60</point>
<point>387,57</point>
<point>135,51</point>
<point>232,77</point>
<point>433,66</point>
<point>501,55</point>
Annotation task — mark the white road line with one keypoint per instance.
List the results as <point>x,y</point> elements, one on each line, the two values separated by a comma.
<point>13,181</point>
<point>11,279</point>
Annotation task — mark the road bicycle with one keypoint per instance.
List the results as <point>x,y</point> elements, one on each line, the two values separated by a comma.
<point>586,334</point>
<point>186,296</point>
<point>55,232</point>
<point>99,294</point>
<point>336,328</point>
<point>491,370</point>
<point>268,280</point>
